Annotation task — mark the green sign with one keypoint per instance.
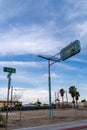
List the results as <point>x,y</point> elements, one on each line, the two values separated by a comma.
<point>10,70</point>
<point>70,50</point>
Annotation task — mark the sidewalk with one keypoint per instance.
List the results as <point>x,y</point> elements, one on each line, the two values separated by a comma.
<point>76,125</point>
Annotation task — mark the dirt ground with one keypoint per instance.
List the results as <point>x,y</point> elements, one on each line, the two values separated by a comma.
<point>21,119</point>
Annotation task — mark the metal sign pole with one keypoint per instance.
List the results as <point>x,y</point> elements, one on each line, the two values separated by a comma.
<point>49,84</point>
<point>11,98</point>
<point>65,53</point>
<point>49,80</point>
<point>9,83</point>
<point>10,71</point>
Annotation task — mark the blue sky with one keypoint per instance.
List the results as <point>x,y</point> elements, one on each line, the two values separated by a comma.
<point>32,27</point>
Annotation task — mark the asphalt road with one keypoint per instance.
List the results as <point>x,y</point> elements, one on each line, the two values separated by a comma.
<point>77,125</point>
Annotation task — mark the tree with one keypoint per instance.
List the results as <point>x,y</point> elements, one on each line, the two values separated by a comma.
<point>62,94</point>
<point>77,98</point>
<point>84,100</point>
<point>72,91</point>
<point>38,103</point>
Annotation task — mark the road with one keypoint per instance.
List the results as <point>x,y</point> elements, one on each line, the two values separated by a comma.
<point>77,125</point>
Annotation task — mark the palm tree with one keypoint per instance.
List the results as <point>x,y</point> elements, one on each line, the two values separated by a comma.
<point>38,103</point>
<point>72,91</point>
<point>62,94</point>
<point>77,98</point>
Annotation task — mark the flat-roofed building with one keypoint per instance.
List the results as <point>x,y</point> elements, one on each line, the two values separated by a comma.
<point>11,103</point>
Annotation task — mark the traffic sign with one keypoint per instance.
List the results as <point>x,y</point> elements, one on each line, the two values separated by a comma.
<point>70,50</point>
<point>10,70</point>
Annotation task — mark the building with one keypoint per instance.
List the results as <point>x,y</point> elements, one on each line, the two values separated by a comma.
<point>11,103</point>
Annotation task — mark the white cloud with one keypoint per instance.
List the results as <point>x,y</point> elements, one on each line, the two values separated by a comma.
<point>32,79</point>
<point>34,38</point>
<point>28,40</point>
<point>3,93</point>
<point>27,95</point>
<point>53,75</point>
<point>76,9</point>
<point>82,29</point>
<point>31,95</point>
<point>22,64</point>
<point>10,9</point>
<point>79,60</point>
<point>66,66</point>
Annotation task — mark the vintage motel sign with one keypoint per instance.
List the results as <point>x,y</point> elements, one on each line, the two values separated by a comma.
<point>70,50</point>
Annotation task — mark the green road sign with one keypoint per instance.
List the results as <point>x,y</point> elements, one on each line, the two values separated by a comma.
<point>10,70</point>
<point>70,50</point>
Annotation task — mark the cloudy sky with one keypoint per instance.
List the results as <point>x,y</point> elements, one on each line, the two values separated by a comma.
<point>29,28</point>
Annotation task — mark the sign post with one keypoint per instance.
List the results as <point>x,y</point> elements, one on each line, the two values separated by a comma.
<point>65,53</point>
<point>54,60</point>
<point>10,71</point>
<point>9,84</point>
